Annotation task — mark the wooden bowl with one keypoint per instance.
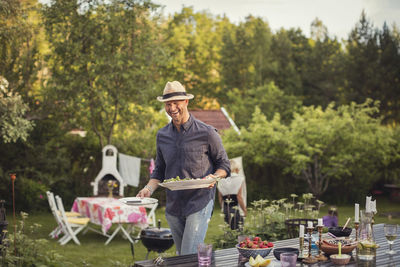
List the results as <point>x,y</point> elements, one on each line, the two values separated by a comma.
<point>330,248</point>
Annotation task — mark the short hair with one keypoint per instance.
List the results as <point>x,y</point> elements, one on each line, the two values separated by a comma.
<point>333,211</point>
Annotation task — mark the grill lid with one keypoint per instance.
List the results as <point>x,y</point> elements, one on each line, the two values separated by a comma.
<point>157,232</point>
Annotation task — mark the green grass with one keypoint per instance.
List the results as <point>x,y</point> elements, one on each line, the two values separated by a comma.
<point>93,252</point>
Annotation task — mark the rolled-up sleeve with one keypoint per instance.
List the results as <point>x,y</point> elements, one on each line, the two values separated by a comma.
<point>218,153</point>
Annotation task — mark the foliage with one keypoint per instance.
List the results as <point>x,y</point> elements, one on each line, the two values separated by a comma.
<point>268,98</point>
<point>320,145</point>
<point>98,65</point>
<point>266,219</point>
<point>372,67</point>
<point>13,124</point>
<point>192,43</point>
<point>21,40</point>
<point>20,249</point>
<point>104,56</point>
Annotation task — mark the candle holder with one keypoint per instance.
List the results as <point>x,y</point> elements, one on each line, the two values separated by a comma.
<point>320,256</point>
<point>301,246</point>
<point>356,225</point>
<point>310,258</point>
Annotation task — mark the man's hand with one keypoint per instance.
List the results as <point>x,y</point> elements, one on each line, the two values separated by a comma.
<point>211,176</point>
<point>145,192</point>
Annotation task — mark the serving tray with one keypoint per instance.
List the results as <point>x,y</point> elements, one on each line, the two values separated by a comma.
<point>188,184</point>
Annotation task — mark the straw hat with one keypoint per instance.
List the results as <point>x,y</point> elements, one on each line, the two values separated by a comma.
<point>174,91</point>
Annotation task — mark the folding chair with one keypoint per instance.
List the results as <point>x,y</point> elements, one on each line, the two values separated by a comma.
<point>53,207</point>
<point>70,226</point>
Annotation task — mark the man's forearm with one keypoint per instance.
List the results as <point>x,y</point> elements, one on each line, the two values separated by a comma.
<point>152,184</point>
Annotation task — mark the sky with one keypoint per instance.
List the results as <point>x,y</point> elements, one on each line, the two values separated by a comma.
<point>339,16</point>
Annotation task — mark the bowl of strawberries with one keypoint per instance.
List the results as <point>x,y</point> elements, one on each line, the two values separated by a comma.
<point>251,247</point>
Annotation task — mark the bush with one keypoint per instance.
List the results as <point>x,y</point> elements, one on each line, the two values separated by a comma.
<point>28,252</point>
<point>266,219</point>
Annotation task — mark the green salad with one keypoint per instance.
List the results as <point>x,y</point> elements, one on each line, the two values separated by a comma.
<point>176,179</point>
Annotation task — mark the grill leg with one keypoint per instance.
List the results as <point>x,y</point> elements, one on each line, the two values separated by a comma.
<point>147,255</point>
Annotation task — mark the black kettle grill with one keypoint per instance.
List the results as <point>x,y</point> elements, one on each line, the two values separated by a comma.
<point>156,239</point>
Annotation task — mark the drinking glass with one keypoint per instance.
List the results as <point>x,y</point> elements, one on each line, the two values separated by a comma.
<point>204,252</point>
<point>288,259</point>
<point>390,234</point>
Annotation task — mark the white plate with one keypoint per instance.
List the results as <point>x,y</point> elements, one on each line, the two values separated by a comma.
<point>188,184</point>
<point>137,201</point>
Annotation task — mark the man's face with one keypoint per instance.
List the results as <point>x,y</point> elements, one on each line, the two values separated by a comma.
<point>177,110</point>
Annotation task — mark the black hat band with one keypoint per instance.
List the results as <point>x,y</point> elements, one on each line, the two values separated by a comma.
<point>173,94</point>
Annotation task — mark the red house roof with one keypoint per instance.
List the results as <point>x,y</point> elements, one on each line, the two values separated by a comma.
<point>214,118</point>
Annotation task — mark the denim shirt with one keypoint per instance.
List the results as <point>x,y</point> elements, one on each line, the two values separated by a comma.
<point>194,152</point>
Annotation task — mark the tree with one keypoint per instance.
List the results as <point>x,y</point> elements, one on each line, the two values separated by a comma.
<point>289,49</point>
<point>105,55</point>
<point>268,98</point>
<point>192,44</point>
<point>246,55</point>
<point>320,145</point>
<point>372,67</point>
<point>322,69</point>
<point>20,44</point>
<point>13,124</point>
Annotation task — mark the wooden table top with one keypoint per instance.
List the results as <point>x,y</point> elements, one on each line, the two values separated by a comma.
<point>230,257</point>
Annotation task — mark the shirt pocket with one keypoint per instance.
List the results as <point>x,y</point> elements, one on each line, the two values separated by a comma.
<point>196,160</point>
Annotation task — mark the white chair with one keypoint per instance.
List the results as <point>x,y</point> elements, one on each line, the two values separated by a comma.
<point>70,226</point>
<point>53,207</point>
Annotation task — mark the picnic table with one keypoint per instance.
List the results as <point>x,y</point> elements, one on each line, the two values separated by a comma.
<point>106,211</point>
<point>230,257</point>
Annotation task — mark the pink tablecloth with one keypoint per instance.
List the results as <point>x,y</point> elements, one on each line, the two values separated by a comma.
<point>105,211</point>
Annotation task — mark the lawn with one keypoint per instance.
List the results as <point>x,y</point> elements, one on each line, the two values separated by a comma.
<point>93,252</point>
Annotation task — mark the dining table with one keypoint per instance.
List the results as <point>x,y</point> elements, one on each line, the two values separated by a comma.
<point>106,211</point>
<point>230,256</point>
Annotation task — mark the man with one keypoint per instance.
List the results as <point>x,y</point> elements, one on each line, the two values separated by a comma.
<point>187,148</point>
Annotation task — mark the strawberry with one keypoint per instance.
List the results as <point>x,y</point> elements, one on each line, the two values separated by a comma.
<point>254,246</point>
<point>256,238</point>
<point>249,244</point>
<point>270,244</point>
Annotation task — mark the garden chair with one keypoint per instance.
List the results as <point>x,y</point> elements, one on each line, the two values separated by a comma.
<point>70,226</point>
<point>292,226</point>
<point>53,207</point>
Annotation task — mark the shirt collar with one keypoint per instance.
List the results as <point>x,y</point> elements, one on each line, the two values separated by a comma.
<point>189,123</point>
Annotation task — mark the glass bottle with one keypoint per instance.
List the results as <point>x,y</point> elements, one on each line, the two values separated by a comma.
<point>366,248</point>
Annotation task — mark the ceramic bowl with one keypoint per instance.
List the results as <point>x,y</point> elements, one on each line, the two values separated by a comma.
<point>278,251</point>
<point>338,232</point>
<point>253,252</point>
<point>342,260</point>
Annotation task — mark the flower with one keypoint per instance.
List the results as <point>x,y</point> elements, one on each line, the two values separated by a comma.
<point>111,184</point>
<point>13,176</point>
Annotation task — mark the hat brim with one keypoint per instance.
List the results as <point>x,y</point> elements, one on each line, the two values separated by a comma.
<point>178,97</point>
